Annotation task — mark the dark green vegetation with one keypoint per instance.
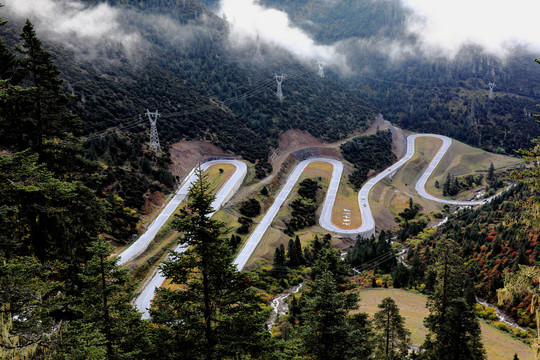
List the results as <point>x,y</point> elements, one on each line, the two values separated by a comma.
<point>453,185</point>
<point>250,208</point>
<point>366,153</point>
<point>62,296</point>
<point>454,330</point>
<point>203,88</point>
<point>303,207</point>
<point>217,315</point>
<point>376,252</point>
<point>411,221</point>
<point>432,94</point>
<point>499,237</point>
<point>392,337</point>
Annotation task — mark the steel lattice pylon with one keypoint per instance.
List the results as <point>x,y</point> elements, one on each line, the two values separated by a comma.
<point>279,80</point>
<point>154,137</point>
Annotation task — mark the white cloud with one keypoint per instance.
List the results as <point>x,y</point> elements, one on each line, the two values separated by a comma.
<point>250,20</point>
<point>74,23</point>
<point>494,24</point>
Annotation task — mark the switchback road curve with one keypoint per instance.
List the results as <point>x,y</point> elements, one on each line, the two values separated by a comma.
<point>368,223</point>
<point>366,229</point>
<point>142,302</point>
<point>225,193</point>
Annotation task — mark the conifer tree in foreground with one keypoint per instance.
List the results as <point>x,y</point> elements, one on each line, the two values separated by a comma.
<point>454,331</point>
<point>105,306</point>
<point>391,336</point>
<point>328,331</point>
<point>215,313</point>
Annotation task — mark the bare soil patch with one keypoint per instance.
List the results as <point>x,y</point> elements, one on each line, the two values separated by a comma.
<point>185,155</point>
<point>346,213</point>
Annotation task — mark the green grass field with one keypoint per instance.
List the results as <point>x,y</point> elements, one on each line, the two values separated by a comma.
<point>499,345</point>
<point>462,159</point>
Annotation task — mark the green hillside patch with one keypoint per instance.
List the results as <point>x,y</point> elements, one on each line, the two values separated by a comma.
<point>462,160</point>
<point>499,346</point>
<point>392,195</point>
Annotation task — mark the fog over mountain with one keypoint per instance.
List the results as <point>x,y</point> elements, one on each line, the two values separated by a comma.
<point>440,27</point>
<point>495,25</point>
<point>76,24</point>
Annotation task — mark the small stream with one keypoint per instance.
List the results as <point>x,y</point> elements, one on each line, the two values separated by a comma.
<point>280,306</point>
<point>501,317</point>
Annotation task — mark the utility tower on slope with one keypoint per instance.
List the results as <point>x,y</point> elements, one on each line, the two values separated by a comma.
<point>279,80</point>
<point>491,86</point>
<point>321,64</point>
<point>154,138</point>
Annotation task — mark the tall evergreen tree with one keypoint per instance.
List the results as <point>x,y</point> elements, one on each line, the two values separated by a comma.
<point>391,337</point>
<point>29,297</point>
<point>48,117</point>
<point>292,253</point>
<point>328,331</point>
<point>454,331</point>
<point>299,252</point>
<point>216,313</point>
<point>105,306</point>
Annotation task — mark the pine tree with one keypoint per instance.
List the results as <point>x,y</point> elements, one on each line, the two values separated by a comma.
<point>454,331</point>
<point>279,257</point>
<point>491,173</point>
<point>299,252</point>
<point>47,117</point>
<point>28,299</point>
<point>105,306</point>
<point>391,337</point>
<point>328,331</point>
<point>216,313</point>
<point>292,253</point>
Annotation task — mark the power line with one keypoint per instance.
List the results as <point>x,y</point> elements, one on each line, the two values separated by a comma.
<point>263,85</point>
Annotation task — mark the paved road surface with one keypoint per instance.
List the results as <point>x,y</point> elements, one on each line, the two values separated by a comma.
<point>139,246</point>
<point>420,186</point>
<point>368,223</point>
<point>225,193</point>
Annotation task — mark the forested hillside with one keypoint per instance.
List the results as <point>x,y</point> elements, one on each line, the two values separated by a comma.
<point>203,88</point>
<point>494,240</point>
<point>426,92</point>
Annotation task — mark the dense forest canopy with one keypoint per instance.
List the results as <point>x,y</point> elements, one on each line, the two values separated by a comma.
<point>69,188</point>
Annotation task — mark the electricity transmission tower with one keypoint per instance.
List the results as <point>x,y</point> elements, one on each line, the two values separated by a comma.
<point>491,86</point>
<point>279,80</point>
<point>154,138</point>
<point>321,64</point>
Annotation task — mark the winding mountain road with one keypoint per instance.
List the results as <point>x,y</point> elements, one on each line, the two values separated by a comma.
<point>142,302</point>
<point>227,191</point>
<point>368,223</point>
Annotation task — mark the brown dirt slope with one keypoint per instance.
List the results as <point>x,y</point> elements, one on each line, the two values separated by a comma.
<point>185,155</point>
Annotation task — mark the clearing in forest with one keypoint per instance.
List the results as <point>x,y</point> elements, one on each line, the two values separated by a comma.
<point>346,213</point>
<point>462,160</point>
<point>412,306</point>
